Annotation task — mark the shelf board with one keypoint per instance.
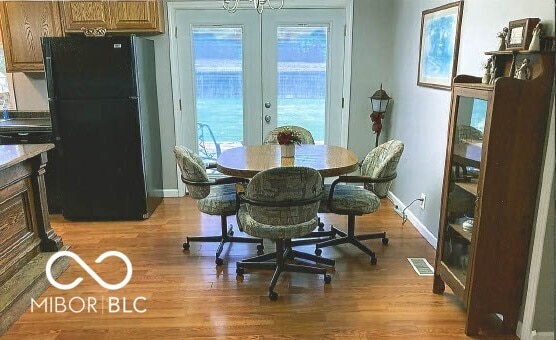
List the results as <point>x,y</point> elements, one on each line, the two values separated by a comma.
<point>459,229</point>
<point>470,187</point>
<point>454,278</point>
<point>510,52</point>
<point>477,86</point>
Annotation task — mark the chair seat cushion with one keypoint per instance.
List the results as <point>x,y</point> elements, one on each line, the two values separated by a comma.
<point>221,201</point>
<point>349,200</point>
<point>254,228</point>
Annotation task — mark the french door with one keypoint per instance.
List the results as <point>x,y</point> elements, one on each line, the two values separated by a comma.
<point>242,74</point>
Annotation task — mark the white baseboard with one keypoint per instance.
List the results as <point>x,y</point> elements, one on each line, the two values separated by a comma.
<point>170,193</point>
<point>421,228</point>
<point>542,335</point>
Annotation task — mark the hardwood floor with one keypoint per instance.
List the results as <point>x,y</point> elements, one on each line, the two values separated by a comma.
<point>187,296</point>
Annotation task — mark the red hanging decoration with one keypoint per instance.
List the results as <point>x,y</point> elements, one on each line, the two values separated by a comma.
<point>377,118</point>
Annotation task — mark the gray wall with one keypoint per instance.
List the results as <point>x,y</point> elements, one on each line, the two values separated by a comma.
<point>544,306</point>
<point>370,66</point>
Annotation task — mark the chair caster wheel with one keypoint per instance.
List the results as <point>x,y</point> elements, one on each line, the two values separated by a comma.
<point>373,261</point>
<point>219,261</point>
<point>185,246</point>
<point>240,271</point>
<point>318,251</point>
<point>260,249</point>
<point>385,240</point>
<point>327,278</point>
<point>273,296</point>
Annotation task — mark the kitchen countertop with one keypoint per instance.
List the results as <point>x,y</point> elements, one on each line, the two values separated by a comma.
<point>26,121</point>
<point>13,154</point>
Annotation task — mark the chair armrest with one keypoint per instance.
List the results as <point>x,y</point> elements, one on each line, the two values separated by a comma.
<point>210,165</point>
<point>357,179</point>
<point>219,181</point>
<point>240,194</point>
<point>364,179</point>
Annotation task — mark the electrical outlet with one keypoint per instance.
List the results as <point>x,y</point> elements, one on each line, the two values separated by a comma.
<point>424,199</point>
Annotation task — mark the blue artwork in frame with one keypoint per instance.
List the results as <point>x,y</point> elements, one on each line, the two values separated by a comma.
<point>438,53</point>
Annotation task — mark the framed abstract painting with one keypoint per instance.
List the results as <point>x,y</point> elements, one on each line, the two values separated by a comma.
<point>439,45</point>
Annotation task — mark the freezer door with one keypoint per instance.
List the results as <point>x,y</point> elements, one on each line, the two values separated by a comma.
<point>84,68</point>
<point>101,161</point>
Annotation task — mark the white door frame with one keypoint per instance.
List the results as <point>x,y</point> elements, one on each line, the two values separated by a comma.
<point>173,7</point>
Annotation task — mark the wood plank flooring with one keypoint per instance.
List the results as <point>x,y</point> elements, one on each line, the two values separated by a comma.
<point>187,296</point>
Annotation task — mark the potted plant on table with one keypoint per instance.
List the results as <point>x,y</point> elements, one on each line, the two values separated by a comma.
<point>288,139</point>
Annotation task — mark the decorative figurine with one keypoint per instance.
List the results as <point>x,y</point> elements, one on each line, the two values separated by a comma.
<point>524,71</point>
<point>493,71</point>
<point>486,74</point>
<point>502,39</point>
<point>535,44</point>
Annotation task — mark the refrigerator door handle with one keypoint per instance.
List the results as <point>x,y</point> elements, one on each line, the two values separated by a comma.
<point>49,76</point>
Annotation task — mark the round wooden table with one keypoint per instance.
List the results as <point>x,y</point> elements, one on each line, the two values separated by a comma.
<point>247,161</point>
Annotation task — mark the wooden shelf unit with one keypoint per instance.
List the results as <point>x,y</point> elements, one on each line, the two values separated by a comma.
<point>505,192</point>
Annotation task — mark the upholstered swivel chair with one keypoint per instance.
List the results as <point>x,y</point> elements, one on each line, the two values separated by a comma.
<point>217,197</point>
<point>342,197</point>
<point>304,134</point>
<point>281,204</point>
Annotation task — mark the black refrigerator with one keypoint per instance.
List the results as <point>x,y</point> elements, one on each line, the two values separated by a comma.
<point>104,111</point>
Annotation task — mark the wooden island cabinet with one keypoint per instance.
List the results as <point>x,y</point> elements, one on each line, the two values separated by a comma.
<point>489,196</point>
<point>26,237</point>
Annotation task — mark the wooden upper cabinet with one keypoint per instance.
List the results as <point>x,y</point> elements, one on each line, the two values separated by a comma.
<point>115,16</point>
<point>133,15</point>
<point>23,23</point>
<point>85,14</point>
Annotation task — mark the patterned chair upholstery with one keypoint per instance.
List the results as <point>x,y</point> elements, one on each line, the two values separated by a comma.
<point>341,197</point>
<point>281,204</point>
<point>213,198</point>
<point>304,134</point>
<point>382,162</point>
<point>467,133</point>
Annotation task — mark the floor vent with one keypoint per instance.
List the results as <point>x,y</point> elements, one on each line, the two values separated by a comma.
<point>421,266</point>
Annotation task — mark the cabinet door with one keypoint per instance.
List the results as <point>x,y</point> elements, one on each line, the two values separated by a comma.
<point>135,15</point>
<point>460,217</point>
<point>23,24</point>
<point>85,14</point>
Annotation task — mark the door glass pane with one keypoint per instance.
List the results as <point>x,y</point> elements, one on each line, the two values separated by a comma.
<point>464,181</point>
<point>302,56</point>
<point>218,54</point>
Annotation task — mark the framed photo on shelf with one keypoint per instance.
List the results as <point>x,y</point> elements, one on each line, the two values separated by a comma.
<point>439,45</point>
<point>520,33</point>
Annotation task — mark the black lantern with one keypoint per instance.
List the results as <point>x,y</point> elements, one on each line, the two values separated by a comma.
<point>379,104</point>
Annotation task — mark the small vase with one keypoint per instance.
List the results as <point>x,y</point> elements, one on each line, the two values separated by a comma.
<point>287,150</point>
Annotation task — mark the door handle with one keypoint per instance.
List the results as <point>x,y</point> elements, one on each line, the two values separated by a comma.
<point>267,118</point>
